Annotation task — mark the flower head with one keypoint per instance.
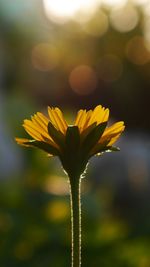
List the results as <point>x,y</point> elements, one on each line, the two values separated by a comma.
<point>74,144</point>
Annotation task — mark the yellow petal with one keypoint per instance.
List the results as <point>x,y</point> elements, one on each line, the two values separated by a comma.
<point>33,132</point>
<point>97,113</point>
<point>22,141</point>
<point>37,128</point>
<point>78,117</point>
<point>112,133</point>
<point>43,118</point>
<point>53,118</point>
<point>106,115</point>
<point>42,128</point>
<point>64,123</point>
<point>61,123</point>
<point>115,128</point>
<point>33,126</point>
<point>86,120</point>
<point>39,121</point>
<point>81,121</point>
<point>114,139</point>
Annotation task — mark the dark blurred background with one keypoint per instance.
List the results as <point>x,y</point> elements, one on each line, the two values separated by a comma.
<point>75,54</point>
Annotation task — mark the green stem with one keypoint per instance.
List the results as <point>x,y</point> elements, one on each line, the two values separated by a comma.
<point>76,220</point>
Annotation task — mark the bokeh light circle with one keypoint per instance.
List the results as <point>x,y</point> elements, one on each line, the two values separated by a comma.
<point>113,3</point>
<point>124,19</point>
<point>44,57</point>
<point>83,80</point>
<point>98,25</point>
<point>146,30</point>
<point>60,11</point>
<point>136,51</point>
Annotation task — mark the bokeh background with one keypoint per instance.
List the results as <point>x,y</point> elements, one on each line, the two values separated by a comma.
<point>75,54</point>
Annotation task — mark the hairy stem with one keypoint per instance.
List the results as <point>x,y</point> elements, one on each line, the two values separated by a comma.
<point>75,186</point>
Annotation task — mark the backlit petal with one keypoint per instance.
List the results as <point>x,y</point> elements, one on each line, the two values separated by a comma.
<point>42,128</point>
<point>82,121</point>
<point>115,128</point>
<point>86,120</point>
<point>32,126</point>
<point>63,121</point>
<point>78,117</point>
<point>22,141</point>
<point>97,115</point>
<point>114,139</point>
<point>43,118</point>
<point>112,133</point>
<point>33,132</point>
<point>55,119</point>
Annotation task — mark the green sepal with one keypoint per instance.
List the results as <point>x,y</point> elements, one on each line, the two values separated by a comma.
<point>87,131</point>
<point>72,138</point>
<point>56,135</point>
<point>43,146</point>
<point>93,137</point>
<point>71,156</point>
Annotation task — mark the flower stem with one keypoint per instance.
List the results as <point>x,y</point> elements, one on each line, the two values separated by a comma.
<point>75,221</point>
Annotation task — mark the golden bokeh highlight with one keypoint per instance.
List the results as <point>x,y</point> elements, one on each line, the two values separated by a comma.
<point>140,2</point>
<point>56,185</point>
<point>23,250</point>
<point>83,80</point>
<point>146,29</point>
<point>137,52</point>
<point>44,57</point>
<point>114,3</point>
<point>98,25</point>
<point>146,9</point>
<point>124,19</point>
<point>111,230</point>
<point>57,210</point>
<point>110,68</point>
<point>61,11</point>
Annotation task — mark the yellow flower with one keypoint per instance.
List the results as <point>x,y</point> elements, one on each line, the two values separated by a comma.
<point>75,144</point>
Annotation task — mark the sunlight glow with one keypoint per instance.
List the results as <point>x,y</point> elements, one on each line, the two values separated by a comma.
<point>116,3</point>
<point>60,11</point>
<point>124,19</point>
<point>98,25</point>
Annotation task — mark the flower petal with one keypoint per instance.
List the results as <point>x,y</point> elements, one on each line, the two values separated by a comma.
<point>99,115</point>
<point>57,136</point>
<point>116,127</point>
<point>42,128</point>
<point>84,123</point>
<point>112,133</point>
<point>81,119</point>
<point>78,117</point>
<point>114,139</point>
<point>33,132</point>
<point>96,111</point>
<point>62,119</point>
<point>57,120</point>
<point>50,149</point>
<point>37,120</point>
<point>42,118</point>
<point>22,141</point>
